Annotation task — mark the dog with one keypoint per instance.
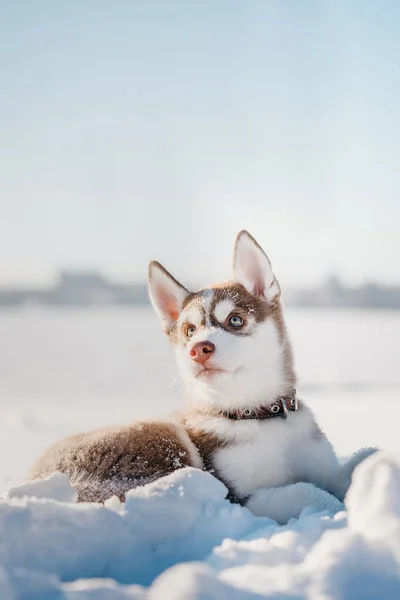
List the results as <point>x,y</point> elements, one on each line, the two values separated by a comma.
<point>242,420</point>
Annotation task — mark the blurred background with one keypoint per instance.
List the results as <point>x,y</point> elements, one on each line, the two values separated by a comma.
<point>135,130</point>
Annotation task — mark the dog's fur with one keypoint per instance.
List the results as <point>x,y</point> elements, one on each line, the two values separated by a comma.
<point>248,364</point>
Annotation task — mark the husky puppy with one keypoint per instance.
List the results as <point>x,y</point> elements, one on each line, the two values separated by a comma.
<point>242,421</point>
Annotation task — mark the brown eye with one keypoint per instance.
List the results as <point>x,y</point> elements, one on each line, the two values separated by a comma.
<point>190,331</point>
<point>235,321</point>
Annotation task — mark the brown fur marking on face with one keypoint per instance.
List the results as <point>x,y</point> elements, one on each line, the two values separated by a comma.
<point>117,459</point>
<point>176,329</point>
<point>192,296</point>
<point>259,308</point>
<point>246,304</point>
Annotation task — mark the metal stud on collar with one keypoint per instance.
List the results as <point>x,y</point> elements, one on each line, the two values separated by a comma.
<point>275,408</point>
<point>247,412</point>
<point>285,410</point>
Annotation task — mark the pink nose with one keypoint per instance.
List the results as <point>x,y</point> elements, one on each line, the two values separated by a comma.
<point>201,352</point>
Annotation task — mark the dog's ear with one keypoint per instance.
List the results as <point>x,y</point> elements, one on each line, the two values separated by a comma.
<point>252,268</point>
<point>166,294</point>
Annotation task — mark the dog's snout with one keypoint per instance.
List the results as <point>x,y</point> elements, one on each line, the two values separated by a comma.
<point>201,351</point>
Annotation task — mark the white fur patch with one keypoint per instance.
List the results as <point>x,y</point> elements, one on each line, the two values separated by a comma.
<point>272,452</point>
<point>223,309</point>
<point>194,315</point>
<point>253,367</point>
<point>206,300</point>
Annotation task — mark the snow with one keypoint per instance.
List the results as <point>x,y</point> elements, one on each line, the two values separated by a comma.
<point>54,487</point>
<point>283,503</point>
<point>179,538</point>
<point>62,372</point>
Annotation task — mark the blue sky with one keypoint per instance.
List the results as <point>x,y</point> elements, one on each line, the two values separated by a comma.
<point>133,130</point>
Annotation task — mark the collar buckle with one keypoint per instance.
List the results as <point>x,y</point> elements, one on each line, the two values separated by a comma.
<point>293,401</point>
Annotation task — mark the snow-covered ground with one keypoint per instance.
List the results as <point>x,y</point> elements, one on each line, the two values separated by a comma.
<point>66,371</point>
<point>183,538</point>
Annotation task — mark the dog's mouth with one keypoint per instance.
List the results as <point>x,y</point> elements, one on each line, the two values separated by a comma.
<point>210,372</point>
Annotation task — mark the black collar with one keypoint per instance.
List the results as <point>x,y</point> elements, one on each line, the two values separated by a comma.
<point>279,408</point>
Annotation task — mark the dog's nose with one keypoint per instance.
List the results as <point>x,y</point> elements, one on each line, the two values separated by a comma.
<point>201,351</point>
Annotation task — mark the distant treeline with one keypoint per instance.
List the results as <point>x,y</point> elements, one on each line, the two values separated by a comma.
<point>93,289</point>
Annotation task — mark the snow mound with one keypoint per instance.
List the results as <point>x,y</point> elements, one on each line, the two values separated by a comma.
<point>284,503</point>
<point>54,487</point>
<point>180,536</point>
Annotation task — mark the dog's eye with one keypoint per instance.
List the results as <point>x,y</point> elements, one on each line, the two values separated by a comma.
<point>190,330</point>
<point>235,321</point>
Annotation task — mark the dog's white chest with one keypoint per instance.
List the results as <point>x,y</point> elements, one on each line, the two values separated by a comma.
<point>256,454</point>
<point>262,456</point>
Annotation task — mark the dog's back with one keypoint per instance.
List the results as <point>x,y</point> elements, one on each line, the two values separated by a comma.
<point>109,462</point>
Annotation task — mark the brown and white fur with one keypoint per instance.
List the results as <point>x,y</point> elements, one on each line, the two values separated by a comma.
<point>233,353</point>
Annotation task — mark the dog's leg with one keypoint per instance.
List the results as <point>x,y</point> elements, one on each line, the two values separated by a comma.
<point>346,471</point>
<point>317,463</point>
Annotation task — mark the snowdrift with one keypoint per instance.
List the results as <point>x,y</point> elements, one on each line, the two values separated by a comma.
<point>179,539</point>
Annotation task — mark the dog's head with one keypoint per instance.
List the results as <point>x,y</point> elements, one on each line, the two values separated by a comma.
<point>230,339</point>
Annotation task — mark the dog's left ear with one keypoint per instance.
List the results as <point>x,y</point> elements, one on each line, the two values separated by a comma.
<point>252,268</point>
<point>167,295</point>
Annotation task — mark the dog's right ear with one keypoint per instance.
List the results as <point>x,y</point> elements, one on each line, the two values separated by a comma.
<point>167,295</point>
<point>252,268</point>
